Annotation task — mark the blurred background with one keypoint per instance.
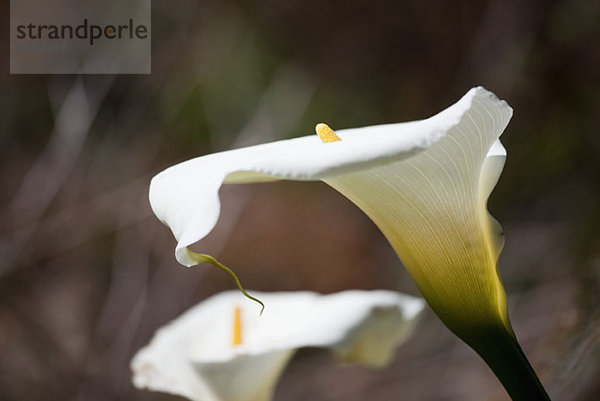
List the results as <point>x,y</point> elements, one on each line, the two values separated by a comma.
<point>87,273</point>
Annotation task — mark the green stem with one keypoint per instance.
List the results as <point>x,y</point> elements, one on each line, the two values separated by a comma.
<point>502,353</point>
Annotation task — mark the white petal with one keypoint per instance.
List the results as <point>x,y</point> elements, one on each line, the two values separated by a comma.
<point>250,377</point>
<point>185,196</point>
<point>193,355</point>
<point>432,209</point>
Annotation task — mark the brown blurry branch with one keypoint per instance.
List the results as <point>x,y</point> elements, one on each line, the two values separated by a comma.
<point>72,122</point>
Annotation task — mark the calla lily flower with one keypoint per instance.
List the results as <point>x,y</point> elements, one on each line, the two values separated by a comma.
<point>425,184</point>
<point>205,356</point>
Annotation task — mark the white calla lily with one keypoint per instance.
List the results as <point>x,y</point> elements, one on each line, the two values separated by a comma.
<point>185,196</point>
<point>214,352</point>
<point>425,184</point>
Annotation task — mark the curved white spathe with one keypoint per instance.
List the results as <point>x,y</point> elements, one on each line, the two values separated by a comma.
<point>193,356</point>
<point>185,196</point>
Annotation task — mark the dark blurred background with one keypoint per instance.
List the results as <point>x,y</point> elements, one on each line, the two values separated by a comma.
<point>87,273</point>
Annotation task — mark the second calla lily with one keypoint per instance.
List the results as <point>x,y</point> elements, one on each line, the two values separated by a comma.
<point>425,184</point>
<point>212,354</point>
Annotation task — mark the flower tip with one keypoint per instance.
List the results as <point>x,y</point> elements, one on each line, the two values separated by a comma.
<point>326,134</point>
<point>237,327</point>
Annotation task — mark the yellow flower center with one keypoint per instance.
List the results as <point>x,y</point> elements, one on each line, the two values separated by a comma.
<point>237,326</point>
<point>326,134</point>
